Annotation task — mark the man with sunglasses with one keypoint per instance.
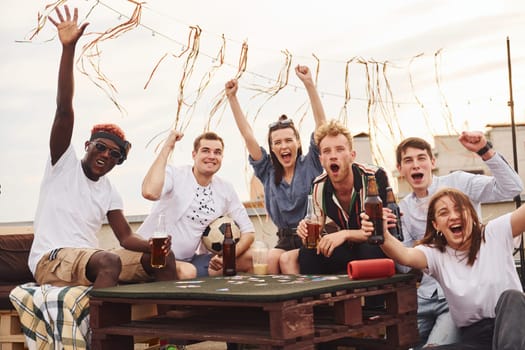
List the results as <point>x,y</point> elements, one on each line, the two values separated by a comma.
<point>76,196</point>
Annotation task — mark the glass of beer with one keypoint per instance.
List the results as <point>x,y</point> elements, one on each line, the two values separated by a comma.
<point>260,258</point>
<point>158,258</point>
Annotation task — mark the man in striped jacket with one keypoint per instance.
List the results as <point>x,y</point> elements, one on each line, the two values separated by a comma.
<point>339,195</point>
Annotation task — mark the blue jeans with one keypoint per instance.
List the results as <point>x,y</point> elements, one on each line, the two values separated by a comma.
<point>201,262</point>
<point>434,322</point>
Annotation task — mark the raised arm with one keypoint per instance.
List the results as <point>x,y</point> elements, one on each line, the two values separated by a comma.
<point>61,131</point>
<point>504,183</point>
<point>394,248</point>
<point>154,179</point>
<point>517,221</point>
<point>303,72</point>
<point>474,141</point>
<point>254,149</point>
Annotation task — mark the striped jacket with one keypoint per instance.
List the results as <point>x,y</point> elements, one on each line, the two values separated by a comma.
<point>329,209</point>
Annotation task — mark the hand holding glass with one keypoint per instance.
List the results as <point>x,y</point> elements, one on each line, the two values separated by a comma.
<point>158,258</point>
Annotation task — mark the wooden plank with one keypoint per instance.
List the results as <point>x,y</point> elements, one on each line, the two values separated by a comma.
<point>348,312</point>
<point>111,342</point>
<point>292,322</point>
<point>102,314</point>
<point>403,300</point>
<point>11,336</point>
<point>403,334</point>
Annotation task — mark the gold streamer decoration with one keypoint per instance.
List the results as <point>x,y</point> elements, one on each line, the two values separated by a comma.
<point>343,114</point>
<point>449,122</point>
<point>280,83</point>
<point>421,105</point>
<point>220,99</point>
<point>187,71</point>
<point>206,79</point>
<point>390,115</point>
<point>91,54</point>
<point>306,104</point>
<point>379,93</point>
<point>41,17</point>
<point>373,95</point>
<point>192,49</point>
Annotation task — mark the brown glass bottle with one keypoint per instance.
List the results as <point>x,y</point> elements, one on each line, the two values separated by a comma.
<point>374,210</point>
<point>391,203</point>
<point>228,252</point>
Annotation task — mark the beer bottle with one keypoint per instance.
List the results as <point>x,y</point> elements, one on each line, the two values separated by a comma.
<point>313,225</point>
<point>374,210</point>
<point>391,203</point>
<point>228,252</point>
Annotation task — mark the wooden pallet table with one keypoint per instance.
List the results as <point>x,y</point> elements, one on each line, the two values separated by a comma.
<point>274,312</point>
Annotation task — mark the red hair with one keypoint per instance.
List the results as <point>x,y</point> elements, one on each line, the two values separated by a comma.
<point>114,133</point>
<point>109,128</point>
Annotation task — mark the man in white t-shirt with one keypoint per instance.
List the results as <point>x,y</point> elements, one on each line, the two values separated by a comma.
<point>76,197</point>
<point>191,197</point>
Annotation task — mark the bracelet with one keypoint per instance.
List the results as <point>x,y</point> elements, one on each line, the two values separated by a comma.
<point>484,149</point>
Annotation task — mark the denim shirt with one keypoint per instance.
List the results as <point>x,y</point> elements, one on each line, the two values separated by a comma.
<point>286,202</point>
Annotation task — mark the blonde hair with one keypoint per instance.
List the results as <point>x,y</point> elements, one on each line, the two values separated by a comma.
<point>333,128</point>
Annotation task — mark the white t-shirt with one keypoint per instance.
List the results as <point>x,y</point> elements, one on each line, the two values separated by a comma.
<point>189,208</point>
<point>473,291</point>
<point>71,208</point>
<point>504,184</point>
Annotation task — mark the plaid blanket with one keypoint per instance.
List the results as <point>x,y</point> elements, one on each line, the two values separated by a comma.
<point>53,317</point>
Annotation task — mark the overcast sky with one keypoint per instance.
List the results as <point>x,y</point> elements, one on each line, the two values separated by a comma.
<point>465,81</point>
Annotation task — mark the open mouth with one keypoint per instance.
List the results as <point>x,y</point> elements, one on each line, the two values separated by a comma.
<point>100,162</point>
<point>417,176</point>
<point>286,156</point>
<point>334,168</point>
<point>456,229</point>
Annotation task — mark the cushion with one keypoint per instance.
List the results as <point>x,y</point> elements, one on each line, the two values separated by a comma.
<point>14,253</point>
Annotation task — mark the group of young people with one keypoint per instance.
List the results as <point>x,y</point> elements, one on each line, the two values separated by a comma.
<point>465,298</point>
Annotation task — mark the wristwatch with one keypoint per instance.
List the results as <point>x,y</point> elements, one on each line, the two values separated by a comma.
<point>484,149</point>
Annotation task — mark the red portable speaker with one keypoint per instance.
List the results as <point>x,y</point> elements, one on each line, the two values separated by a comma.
<point>371,268</point>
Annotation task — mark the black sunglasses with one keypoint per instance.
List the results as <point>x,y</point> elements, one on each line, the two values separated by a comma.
<point>280,123</point>
<point>112,152</point>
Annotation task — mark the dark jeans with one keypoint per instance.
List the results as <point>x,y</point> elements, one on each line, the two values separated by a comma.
<point>312,263</point>
<point>505,332</point>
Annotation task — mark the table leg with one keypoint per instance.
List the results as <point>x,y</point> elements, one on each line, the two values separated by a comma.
<point>106,314</point>
<point>287,322</point>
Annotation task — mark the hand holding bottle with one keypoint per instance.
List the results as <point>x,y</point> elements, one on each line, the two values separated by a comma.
<point>374,210</point>
<point>313,225</point>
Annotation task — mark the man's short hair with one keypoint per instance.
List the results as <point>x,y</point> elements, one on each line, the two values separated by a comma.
<point>209,135</point>
<point>413,142</point>
<point>333,128</point>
